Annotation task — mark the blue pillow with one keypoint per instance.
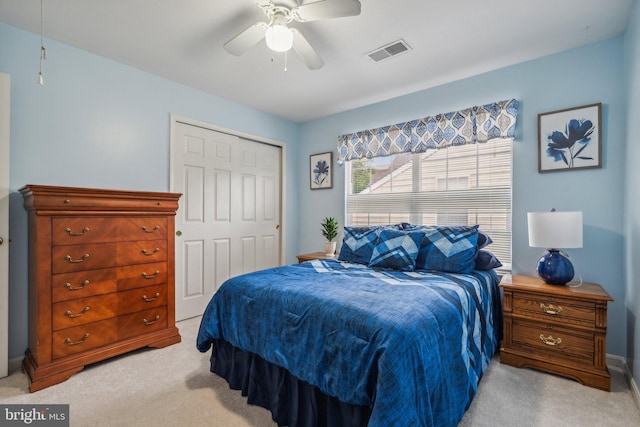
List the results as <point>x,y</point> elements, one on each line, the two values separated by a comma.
<point>358,244</point>
<point>396,249</point>
<point>486,260</point>
<point>452,249</point>
<point>483,239</point>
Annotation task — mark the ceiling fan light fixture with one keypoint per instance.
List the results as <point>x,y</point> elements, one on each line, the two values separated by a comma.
<point>279,38</point>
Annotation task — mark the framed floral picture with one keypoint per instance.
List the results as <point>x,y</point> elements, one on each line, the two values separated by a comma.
<point>321,170</point>
<point>570,139</point>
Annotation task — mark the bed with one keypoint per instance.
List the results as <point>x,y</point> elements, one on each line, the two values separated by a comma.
<point>336,342</point>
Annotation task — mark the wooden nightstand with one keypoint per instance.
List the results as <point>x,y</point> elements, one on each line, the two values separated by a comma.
<point>312,256</point>
<point>557,329</point>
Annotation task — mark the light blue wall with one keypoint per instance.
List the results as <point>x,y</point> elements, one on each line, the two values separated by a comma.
<point>632,192</point>
<point>98,123</point>
<point>581,76</point>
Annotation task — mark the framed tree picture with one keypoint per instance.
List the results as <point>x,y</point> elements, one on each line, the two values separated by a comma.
<point>570,139</point>
<point>321,171</point>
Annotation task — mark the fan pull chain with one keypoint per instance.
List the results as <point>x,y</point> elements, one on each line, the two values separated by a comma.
<point>285,61</point>
<point>43,50</point>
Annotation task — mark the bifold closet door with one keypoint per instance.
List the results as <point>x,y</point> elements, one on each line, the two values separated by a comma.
<point>228,222</point>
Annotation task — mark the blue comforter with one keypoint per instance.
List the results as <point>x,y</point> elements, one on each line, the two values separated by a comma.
<point>410,345</point>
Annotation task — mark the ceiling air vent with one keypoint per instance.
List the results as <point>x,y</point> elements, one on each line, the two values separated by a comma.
<point>386,52</point>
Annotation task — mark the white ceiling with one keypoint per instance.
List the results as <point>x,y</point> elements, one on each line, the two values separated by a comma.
<point>182,40</point>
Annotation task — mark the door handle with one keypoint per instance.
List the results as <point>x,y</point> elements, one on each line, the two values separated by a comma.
<point>278,227</point>
<point>178,233</point>
<point>1,241</point>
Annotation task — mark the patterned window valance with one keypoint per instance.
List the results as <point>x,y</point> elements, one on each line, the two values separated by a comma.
<point>476,124</point>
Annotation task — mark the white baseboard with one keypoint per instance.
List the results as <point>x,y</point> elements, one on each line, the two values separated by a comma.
<point>620,363</point>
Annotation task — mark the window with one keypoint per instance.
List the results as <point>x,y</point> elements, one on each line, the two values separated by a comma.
<point>460,185</point>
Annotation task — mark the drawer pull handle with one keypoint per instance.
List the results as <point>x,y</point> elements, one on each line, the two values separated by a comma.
<point>147,322</point>
<point>73,316</point>
<point>155,297</point>
<point>71,233</point>
<point>151,276</point>
<point>551,309</point>
<point>155,251</point>
<point>153,230</point>
<point>550,340</point>
<point>83,339</point>
<point>84,257</point>
<point>77,288</point>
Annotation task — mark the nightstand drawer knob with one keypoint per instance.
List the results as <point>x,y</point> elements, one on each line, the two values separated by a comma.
<point>550,340</point>
<point>551,309</point>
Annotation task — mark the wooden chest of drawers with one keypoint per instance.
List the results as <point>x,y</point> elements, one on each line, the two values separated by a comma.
<point>101,277</point>
<point>557,329</point>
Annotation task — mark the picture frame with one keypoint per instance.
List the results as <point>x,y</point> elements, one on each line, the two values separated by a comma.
<point>570,139</point>
<point>321,171</point>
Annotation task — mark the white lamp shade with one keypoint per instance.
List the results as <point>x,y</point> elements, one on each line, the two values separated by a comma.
<point>279,38</point>
<point>555,230</point>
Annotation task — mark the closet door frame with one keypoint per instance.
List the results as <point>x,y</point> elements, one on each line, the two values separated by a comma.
<point>176,123</point>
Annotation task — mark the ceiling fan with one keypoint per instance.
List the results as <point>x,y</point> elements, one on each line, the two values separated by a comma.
<point>280,37</point>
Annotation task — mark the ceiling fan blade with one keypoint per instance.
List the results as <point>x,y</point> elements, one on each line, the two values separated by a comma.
<point>246,39</point>
<point>326,9</point>
<point>302,47</point>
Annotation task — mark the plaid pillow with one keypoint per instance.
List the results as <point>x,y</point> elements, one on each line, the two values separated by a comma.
<point>452,249</point>
<point>483,238</point>
<point>396,249</point>
<point>358,244</point>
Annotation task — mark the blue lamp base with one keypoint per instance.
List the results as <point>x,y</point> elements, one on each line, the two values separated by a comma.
<point>554,268</point>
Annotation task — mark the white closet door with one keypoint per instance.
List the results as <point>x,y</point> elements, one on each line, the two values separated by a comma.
<point>4,224</point>
<point>228,222</point>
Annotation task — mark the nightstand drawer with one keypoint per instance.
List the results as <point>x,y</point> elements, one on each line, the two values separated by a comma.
<point>554,309</point>
<point>560,343</point>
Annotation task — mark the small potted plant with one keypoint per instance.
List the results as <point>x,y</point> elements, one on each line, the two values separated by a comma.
<point>330,232</point>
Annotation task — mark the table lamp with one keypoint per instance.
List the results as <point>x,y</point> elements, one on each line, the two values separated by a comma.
<point>554,230</point>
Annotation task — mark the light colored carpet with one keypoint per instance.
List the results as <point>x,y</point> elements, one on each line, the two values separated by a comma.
<point>173,387</point>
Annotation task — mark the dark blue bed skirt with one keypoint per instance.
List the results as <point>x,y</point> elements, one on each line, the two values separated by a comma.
<point>292,402</point>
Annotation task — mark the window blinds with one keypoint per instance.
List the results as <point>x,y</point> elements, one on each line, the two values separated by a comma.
<point>458,185</point>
